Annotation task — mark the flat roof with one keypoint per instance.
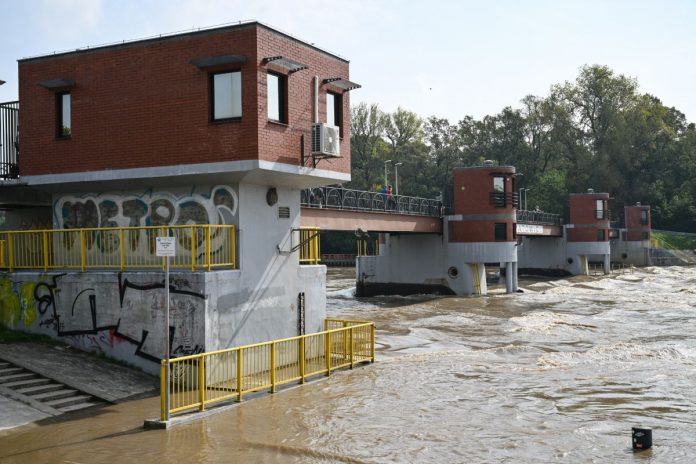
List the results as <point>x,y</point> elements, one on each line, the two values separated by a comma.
<point>181,34</point>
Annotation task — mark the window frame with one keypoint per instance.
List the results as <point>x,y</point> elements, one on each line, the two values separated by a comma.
<point>60,106</point>
<point>601,235</point>
<point>211,91</point>
<point>599,209</point>
<point>644,217</point>
<point>282,97</point>
<point>337,110</point>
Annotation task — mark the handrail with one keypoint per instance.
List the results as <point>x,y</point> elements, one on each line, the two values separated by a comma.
<point>538,217</point>
<point>199,246</point>
<point>309,245</point>
<point>199,380</point>
<point>361,200</point>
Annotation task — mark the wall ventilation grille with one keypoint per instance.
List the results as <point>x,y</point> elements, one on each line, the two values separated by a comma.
<point>283,212</point>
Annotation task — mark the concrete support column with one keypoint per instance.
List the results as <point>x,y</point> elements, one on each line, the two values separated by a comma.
<point>478,279</point>
<point>584,267</point>
<point>607,264</point>
<point>509,278</point>
<point>514,276</point>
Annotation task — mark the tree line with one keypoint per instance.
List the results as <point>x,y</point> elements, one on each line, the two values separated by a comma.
<point>596,132</point>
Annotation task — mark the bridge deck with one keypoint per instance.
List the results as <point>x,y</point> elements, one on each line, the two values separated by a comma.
<point>346,220</point>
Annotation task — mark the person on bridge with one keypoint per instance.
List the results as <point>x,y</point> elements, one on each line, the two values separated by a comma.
<point>390,198</point>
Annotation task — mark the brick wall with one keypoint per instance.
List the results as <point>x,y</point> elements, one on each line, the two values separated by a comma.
<point>583,217</point>
<point>143,104</point>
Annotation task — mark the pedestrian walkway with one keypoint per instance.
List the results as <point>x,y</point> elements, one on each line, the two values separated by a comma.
<point>41,380</point>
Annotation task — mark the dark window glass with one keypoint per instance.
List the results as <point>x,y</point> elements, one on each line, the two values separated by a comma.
<point>334,111</point>
<point>64,123</point>
<point>276,98</point>
<point>226,95</point>
<point>643,217</point>
<point>600,235</point>
<point>498,184</point>
<point>500,232</point>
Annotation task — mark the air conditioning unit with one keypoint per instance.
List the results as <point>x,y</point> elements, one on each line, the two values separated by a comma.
<point>325,140</point>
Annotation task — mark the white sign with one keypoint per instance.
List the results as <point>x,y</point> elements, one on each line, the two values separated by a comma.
<point>166,246</point>
<point>530,229</point>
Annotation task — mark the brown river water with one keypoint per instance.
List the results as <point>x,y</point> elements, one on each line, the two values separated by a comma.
<point>559,373</point>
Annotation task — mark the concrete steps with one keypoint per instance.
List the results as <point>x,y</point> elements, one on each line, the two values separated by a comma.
<point>42,392</point>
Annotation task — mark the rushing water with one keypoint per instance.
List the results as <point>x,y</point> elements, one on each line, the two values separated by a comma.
<point>559,373</point>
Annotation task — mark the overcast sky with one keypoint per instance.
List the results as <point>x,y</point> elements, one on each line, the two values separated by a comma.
<point>444,58</point>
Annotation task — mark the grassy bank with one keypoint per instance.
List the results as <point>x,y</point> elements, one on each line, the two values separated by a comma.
<point>679,242</point>
<point>13,336</point>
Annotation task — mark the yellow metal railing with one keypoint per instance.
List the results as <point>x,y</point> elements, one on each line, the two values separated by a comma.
<point>363,249</point>
<point>309,245</point>
<point>199,246</point>
<point>203,379</point>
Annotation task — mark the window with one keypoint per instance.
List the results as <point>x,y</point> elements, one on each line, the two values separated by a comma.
<point>498,184</point>
<point>501,231</point>
<point>226,95</point>
<point>64,126</point>
<point>334,111</point>
<point>600,209</point>
<point>644,217</point>
<point>600,235</point>
<point>276,98</point>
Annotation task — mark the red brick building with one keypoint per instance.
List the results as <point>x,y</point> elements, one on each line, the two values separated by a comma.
<point>237,101</point>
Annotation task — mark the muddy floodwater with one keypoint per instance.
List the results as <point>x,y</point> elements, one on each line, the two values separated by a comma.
<point>559,373</point>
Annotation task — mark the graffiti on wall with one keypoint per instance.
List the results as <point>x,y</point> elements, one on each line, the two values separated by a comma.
<point>129,318</point>
<point>150,208</point>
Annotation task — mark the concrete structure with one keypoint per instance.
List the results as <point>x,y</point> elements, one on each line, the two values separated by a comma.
<point>632,246</point>
<point>481,230</point>
<point>207,127</point>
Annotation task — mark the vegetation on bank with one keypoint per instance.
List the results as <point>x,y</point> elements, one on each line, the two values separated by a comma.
<point>597,132</point>
<point>676,241</point>
<point>13,336</point>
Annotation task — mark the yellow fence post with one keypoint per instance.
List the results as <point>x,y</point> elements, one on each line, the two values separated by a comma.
<point>122,246</point>
<point>344,335</point>
<point>163,393</point>
<point>233,246</point>
<point>201,381</point>
<point>240,384</point>
<point>193,248</point>
<point>2,253</point>
<point>327,352</point>
<point>10,250</point>
<point>318,247</point>
<point>350,333</point>
<point>45,250</point>
<point>82,250</point>
<point>273,367</point>
<point>207,246</point>
<point>372,341</point>
<point>302,359</point>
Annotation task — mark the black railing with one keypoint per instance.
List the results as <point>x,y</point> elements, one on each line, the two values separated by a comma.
<point>505,199</point>
<point>603,214</point>
<point>359,200</point>
<point>539,217</point>
<point>9,140</point>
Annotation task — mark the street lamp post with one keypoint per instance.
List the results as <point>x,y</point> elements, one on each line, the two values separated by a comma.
<point>386,181</point>
<point>396,177</point>
<point>526,194</point>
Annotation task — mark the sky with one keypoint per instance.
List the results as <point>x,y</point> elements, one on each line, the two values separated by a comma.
<point>438,58</point>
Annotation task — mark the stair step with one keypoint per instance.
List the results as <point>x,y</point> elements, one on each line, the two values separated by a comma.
<point>9,370</point>
<point>44,388</point>
<point>63,402</point>
<point>26,383</point>
<point>76,407</point>
<point>54,395</point>
<point>16,377</point>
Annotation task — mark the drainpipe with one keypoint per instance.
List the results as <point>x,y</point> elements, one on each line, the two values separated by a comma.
<point>316,99</point>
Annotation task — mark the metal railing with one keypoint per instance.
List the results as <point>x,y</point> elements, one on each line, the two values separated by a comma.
<point>199,246</point>
<point>538,217</point>
<point>310,245</point>
<point>360,200</point>
<point>364,248</point>
<point>203,379</point>
<point>505,199</point>
<point>9,140</point>
<point>603,214</point>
